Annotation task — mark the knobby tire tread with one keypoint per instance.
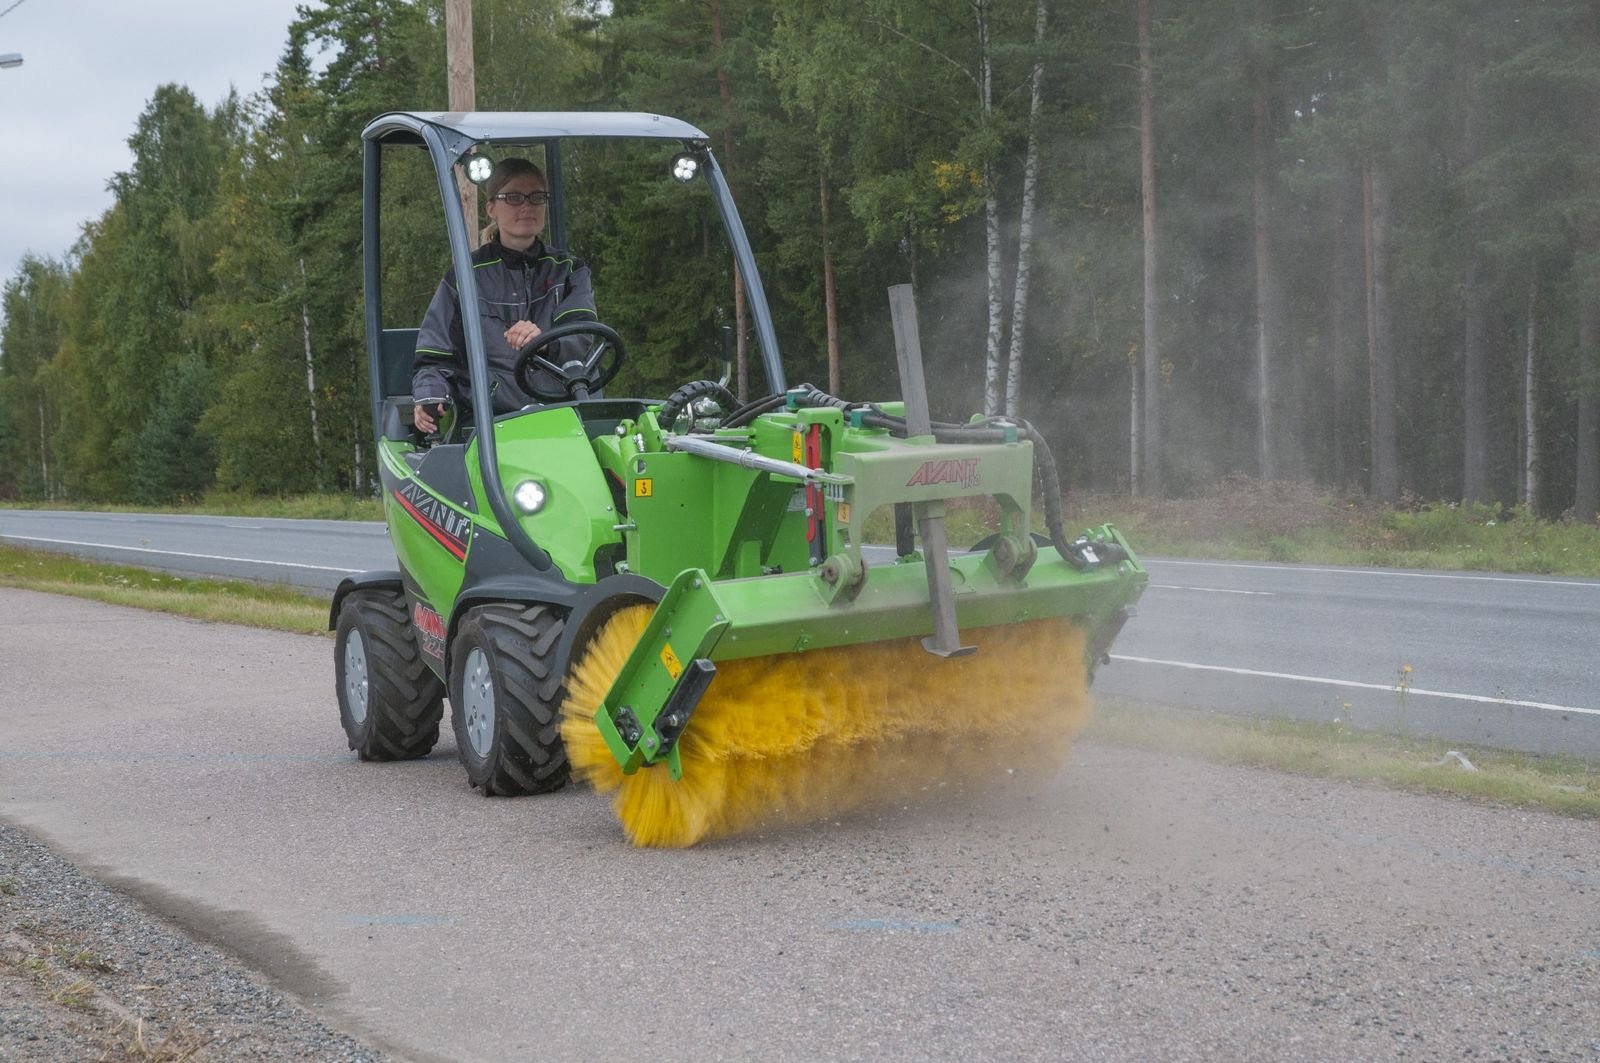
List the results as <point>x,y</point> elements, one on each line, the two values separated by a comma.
<point>405,700</point>
<point>528,755</point>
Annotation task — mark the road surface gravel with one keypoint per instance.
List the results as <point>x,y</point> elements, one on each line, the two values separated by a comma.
<point>1137,906</point>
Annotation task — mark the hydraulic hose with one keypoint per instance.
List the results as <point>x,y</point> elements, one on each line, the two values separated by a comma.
<point>753,409</point>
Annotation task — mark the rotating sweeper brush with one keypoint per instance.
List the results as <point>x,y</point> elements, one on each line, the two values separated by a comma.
<point>674,599</point>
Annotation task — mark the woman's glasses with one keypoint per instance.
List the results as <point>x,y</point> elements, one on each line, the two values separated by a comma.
<point>517,199</point>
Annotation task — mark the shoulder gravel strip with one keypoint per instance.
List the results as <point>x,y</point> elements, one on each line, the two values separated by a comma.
<point>85,973</point>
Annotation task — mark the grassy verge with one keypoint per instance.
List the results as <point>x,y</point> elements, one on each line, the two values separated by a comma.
<point>1566,786</point>
<point>1245,520</point>
<point>1249,520</point>
<point>222,504</point>
<point>229,602</point>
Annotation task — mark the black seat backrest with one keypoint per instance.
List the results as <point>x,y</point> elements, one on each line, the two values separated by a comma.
<point>396,348</point>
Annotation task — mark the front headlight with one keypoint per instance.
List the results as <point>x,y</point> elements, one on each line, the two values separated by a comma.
<point>530,496</point>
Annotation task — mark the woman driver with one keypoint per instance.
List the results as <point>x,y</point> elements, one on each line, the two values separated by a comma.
<point>524,288</point>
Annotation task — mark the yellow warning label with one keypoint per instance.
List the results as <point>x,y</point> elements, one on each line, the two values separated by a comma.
<point>842,511</point>
<point>670,659</point>
<point>799,448</point>
<point>644,487</point>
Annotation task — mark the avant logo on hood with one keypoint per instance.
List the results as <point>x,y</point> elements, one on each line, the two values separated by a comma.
<point>437,519</point>
<point>963,471</point>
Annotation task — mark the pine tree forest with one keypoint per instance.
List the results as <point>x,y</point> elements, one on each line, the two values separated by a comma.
<point>1354,243</point>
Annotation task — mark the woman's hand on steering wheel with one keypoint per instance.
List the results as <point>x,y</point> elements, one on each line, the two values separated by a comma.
<point>520,334</point>
<point>577,376</point>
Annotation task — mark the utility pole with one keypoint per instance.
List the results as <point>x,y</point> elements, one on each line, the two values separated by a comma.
<point>463,94</point>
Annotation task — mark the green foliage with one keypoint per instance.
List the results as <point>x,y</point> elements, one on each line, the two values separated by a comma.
<point>32,304</point>
<point>172,456</point>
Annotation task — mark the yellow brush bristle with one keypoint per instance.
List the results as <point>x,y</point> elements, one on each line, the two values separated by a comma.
<point>797,737</point>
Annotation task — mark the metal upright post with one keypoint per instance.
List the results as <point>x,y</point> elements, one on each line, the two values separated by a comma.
<point>462,94</point>
<point>946,638</point>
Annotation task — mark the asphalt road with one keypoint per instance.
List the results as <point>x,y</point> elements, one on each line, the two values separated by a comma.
<point>313,554</point>
<point>1502,661</point>
<point>1136,907</point>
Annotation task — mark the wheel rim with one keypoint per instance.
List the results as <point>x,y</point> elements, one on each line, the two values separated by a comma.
<point>355,676</point>
<point>477,697</point>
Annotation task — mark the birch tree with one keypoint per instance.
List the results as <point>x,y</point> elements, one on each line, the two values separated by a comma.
<point>1030,196</point>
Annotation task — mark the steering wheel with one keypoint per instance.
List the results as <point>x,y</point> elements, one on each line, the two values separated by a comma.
<point>578,376</point>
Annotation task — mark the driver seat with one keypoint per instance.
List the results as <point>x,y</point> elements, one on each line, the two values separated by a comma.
<point>396,351</point>
<point>397,347</point>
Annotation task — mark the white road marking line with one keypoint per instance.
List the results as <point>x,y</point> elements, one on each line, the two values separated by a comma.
<point>1389,687</point>
<point>1211,590</point>
<point>1592,584</point>
<point>171,553</point>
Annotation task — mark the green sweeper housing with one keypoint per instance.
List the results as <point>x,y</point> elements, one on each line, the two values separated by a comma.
<point>675,599</point>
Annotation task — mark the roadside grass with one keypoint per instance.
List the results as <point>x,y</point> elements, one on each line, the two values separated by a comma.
<point>229,504</point>
<point>1246,520</point>
<point>1563,785</point>
<point>277,607</point>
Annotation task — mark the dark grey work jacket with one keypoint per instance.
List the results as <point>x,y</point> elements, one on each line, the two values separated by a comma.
<point>544,286</point>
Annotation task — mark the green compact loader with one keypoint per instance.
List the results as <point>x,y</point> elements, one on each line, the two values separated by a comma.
<point>674,599</point>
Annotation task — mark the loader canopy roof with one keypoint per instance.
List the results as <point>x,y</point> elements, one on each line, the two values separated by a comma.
<point>401,127</point>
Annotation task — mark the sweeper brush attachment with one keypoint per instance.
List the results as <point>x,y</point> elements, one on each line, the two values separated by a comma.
<point>797,737</point>
<point>781,678</point>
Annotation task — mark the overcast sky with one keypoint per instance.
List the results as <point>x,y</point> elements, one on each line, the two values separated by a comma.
<point>89,68</point>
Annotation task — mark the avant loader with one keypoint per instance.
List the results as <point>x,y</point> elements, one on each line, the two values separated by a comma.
<point>674,600</point>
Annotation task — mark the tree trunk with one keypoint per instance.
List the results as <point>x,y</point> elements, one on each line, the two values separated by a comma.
<point>1030,186</point>
<point>1382,439</point>
<point>1475,387</point>
<point>1586,495</point>
<point>1134,438</point>
<point>740,326</point>
<point>1266,458</point>
<point>1340,292</point>
<point>1475,315</point>
<point>1586,498</point>
<point>992,393</point>
<point>1530,394</point>
<point>462,94</point>
<point>830,301</point>
<point>1147,430</point>
<point>357,380</point>
<point>44,451</point>
<point>311,370</point>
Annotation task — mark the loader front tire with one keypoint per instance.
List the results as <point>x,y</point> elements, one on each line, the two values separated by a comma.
<point>505,699</point>
<point>389,702</point>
